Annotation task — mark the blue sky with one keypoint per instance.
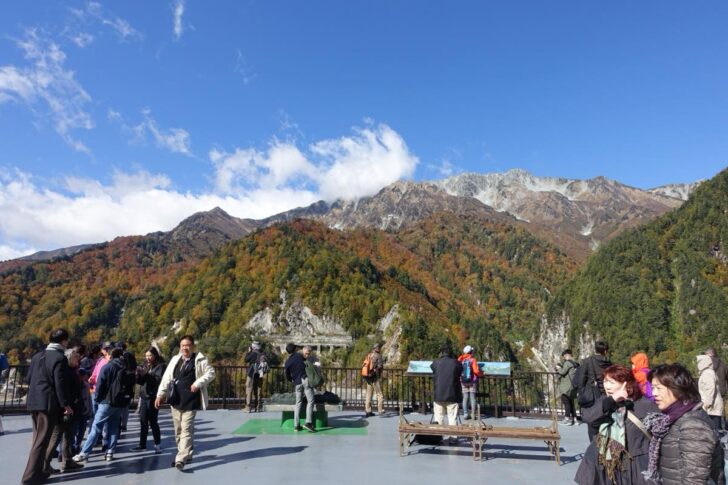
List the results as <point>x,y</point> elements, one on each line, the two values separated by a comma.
<point>124,117</point>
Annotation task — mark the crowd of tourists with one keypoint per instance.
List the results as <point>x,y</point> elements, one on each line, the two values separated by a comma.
<point>80,401</point>
<point>644,425</point>
<point>647,425</point>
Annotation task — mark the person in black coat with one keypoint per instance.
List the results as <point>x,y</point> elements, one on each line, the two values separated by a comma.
<point>48,401</point>
<point>620,451</point>
<point>254,380</point>
<point>149,377</point>
<point>63,432</point>
<point>295,368</point>
<point>446,373</point>
<point>591,374</point>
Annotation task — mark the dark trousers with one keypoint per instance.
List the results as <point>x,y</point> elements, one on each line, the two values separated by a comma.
<point>43,424</point>
<point>568,403</point>
<point>62,432</point>
<point>717,422</point>
<point>149,417</point>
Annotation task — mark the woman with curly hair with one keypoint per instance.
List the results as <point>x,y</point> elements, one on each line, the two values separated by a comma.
<point>618,454</point>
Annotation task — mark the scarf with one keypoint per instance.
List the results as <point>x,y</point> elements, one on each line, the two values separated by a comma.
<point>611,444</point>
<point>57,347</point>
<point>658,424</point>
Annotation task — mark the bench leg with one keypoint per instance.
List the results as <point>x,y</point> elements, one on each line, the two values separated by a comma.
<point>401,444</point>
<point>558,452</point>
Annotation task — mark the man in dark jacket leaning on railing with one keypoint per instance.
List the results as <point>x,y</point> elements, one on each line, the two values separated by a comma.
<point>448,393</point>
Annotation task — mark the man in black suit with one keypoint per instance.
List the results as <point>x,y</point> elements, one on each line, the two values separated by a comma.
<point>48,400</point>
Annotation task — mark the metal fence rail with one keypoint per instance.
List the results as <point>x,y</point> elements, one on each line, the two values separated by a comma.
<point>523,394</point>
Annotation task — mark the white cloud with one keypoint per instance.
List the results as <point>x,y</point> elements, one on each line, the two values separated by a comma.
<point>9,252</point>
<point>248,183</point>
<point>348,167</point>
<point>86,211</point>
<point>46,82</point>
<point>360,165</point>
<point>176,140</point>
<point>178,10</point>
<point>121,27</point>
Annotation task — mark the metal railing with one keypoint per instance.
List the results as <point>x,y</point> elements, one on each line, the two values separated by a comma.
<point>523,394</point>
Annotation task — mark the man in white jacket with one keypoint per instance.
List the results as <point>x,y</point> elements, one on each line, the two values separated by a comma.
<point>184,386</point>
<point>709,390</point>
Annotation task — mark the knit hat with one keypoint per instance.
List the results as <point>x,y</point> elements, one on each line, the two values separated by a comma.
<point>468,349</point>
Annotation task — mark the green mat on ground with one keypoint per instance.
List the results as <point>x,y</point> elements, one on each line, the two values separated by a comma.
<point>336,427</point>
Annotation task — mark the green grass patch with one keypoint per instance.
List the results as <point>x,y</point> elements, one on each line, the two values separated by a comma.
<point>337,427</point>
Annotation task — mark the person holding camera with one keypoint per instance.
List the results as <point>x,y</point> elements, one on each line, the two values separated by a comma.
<point>254,358</point>
<point>149,376</point>
<point>619,453</point>
<point>567,370</point>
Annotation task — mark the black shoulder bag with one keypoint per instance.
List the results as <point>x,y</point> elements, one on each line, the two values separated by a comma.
<point>586,396</point>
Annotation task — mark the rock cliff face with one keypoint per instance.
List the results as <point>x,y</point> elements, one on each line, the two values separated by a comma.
<point>577,215</point>
<point>296,323</point>
<point>553,340</point>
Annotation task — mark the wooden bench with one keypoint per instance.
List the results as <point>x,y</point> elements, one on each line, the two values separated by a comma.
<point>408,430</point>
<point>549,435</point>
<point>479,432</point>
<point>320,413</point>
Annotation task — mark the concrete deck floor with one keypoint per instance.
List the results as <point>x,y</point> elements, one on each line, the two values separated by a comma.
<point>304,458</point>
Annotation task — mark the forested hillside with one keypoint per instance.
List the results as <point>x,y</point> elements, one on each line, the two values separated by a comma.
<point>453,277</point>
<point>662,288</point>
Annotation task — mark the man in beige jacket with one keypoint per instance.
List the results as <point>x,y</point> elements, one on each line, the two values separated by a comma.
<point>184,386</point>
<point>709,390</point>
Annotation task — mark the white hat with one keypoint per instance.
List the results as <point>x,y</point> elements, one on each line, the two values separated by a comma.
<point>468,349</point>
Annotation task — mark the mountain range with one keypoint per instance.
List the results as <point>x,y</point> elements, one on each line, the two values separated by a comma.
<point>576,215</point>
<point>474,257</point>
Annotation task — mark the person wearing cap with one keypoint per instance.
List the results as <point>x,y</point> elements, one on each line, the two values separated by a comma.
<point>469,379</point>
<point>566,371</point>
<point>376,365</point>
<point>254,380</point>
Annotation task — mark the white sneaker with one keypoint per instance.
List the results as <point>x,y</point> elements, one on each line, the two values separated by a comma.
<point>80,458</point>
<point>157,449</point>
<point>109,456</point>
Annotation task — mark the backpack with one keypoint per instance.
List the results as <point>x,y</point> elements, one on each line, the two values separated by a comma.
<point>367,368</point>
<point>261,366</point>
<point>314,375</point>
<point>121,390</point>
<point>587,392</point>
<point>467,377</point>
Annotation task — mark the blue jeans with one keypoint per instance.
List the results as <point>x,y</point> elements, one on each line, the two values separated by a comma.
<point>105,414</point>
<point>105,435</point>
